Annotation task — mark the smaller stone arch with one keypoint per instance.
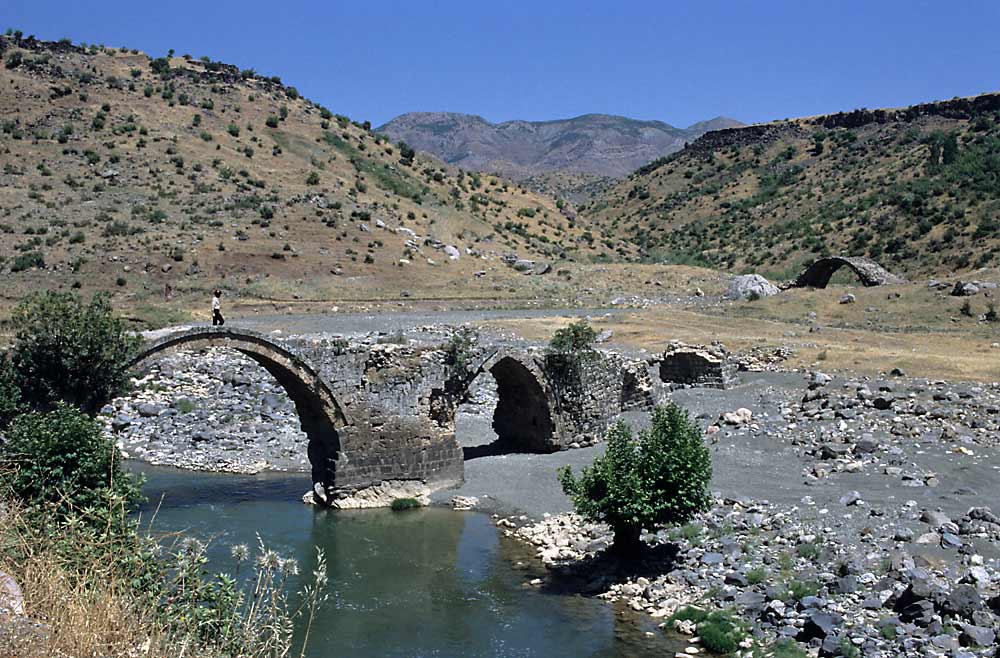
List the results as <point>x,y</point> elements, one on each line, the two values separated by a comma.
<point>870,273</point>
<point>526,418</point>
<point>320,415</point>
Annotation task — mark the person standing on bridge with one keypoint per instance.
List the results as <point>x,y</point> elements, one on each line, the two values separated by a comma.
<point>217,319</point>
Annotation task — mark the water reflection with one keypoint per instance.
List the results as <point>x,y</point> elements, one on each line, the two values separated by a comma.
<point>422,583</point>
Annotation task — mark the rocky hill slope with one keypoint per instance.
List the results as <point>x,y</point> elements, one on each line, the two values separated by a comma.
<point>152,177</point>
<point>598,145</point>
<point>917,188</point>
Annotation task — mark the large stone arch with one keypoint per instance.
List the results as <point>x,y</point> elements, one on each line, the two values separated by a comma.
<point>526,418</point>
<point>319,413</point>
<point>870,273</point>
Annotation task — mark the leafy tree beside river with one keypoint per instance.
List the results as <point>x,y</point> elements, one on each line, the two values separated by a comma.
<point>659,478</point>
<point>94,584</point>
<point>68,350</point>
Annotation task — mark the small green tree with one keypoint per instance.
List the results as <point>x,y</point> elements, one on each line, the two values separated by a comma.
<point>61,457</point>
<point>659,478</point>
<point>576,337</point>
<point>66,349</point>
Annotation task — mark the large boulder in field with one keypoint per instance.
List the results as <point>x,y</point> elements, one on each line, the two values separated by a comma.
<point>750,286</point>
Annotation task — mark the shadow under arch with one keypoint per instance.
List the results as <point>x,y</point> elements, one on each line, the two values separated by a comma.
<point>523,419</point>
<point>319,413</point>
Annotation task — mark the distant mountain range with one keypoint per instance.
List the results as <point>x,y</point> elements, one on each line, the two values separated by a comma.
<point>593,144</point>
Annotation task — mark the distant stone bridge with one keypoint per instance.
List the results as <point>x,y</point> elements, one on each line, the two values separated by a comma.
<point>376,413</point>
<point>870,273</point>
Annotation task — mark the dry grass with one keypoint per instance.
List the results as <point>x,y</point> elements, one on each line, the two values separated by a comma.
<point>919,332</point>
<point>80,602</point>
<point>79,608</point>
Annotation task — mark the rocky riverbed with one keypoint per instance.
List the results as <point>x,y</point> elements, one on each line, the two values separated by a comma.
<point>853,516</point>
<point>215,410</point>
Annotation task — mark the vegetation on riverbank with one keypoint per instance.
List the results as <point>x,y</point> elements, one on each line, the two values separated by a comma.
<point>93,582</point>
<point>659,478</point>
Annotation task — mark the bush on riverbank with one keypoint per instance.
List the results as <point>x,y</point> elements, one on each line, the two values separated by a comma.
<point>93,583</point>
<point>720,631</point>
<point>400,504</point>
<point>68,350</point>
<point>60,460</point>
<point>10,393</point>
<point>659,478</point>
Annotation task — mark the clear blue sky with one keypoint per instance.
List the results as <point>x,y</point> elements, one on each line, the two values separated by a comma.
<point>674,61</point>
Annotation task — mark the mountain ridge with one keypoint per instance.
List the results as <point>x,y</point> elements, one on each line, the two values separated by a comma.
<point>595,144</point>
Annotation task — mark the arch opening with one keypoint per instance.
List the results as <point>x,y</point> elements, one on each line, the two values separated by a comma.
<point>257,398</point>
<point>633,395</point>
<point>822,274</point>
<point>521,419</point>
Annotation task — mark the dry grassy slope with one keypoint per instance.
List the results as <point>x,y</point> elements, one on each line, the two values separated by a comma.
<point>136,196</point>
<point>917,188</point>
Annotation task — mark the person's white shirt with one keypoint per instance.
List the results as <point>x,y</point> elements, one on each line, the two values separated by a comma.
<point>216,304</point>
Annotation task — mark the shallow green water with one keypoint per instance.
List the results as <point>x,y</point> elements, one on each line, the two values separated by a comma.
<point>427,582</point>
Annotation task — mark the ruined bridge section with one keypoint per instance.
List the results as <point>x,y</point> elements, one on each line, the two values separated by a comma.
<point>386,412</point>
<point>870,273</point>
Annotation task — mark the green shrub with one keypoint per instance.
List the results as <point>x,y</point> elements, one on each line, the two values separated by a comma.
<point>807,551</point>
<point>788,648</point>
<point>991,313</point>
<point>458,350</point>
<point>796,590</point>
<point>689,613</point>
<point>719,630</point>
<point>756,576</point>
<point>660,478</point>
<point>848,650</point>
<point>233,130</point>
<point>576,337</point>
<point>66,349</point>
<point>312,178</point>
<point>271,121</point>
<point>720,634</point>
<point>400,504</point>
<point>10,392</point>
<point>27,260</point>
<point>62,458</point>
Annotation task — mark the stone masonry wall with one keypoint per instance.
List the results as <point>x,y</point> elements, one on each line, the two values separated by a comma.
<point>694,365</point>
<point>384,391</point>
<point>591,389</point>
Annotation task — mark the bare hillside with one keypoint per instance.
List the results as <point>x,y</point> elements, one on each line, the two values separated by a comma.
<point>131,174</point>
<point>916,188</point>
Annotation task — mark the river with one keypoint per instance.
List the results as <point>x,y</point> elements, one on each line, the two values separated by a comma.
<point>429,582</point>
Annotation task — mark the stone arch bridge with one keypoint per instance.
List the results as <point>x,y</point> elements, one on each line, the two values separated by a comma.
<point>377,413</point>
<point>870,273</point>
